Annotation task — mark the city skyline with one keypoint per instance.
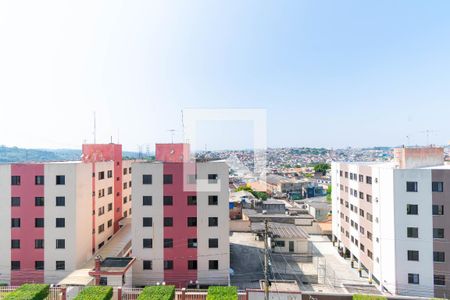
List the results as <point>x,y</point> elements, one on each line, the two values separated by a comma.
<point>376,71</point>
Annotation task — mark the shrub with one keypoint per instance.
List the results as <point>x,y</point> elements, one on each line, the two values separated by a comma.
<point>222,293</point>
<point>368,297</point>
<point>162,292</point>
<point>95,293</point>
<point>29,292</point>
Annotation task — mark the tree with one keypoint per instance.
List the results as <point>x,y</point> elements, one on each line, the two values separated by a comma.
<point>322,168</point>
<point>329,193</point>
<point>260,195</point>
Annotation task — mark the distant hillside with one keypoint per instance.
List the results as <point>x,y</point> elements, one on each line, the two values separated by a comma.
<point>15,154</point>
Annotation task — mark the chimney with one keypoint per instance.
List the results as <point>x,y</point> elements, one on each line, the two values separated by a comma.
<point>98,261</point>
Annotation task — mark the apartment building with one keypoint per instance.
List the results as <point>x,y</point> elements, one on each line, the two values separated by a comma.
<point>57,214</point>
<point>180,219</point>
<point>390,219</point>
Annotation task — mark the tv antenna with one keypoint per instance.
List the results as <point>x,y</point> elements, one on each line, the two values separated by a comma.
<point>428,132</point>
<point>172,132</point>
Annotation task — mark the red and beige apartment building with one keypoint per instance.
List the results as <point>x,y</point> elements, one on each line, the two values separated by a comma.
<point>56,215</point>
<point>180,219</point>
<point>391,220</point>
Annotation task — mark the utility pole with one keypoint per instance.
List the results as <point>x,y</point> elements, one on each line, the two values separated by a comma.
<point>266,261</point>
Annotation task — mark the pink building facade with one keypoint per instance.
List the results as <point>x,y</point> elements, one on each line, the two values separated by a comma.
<point>180,220</point>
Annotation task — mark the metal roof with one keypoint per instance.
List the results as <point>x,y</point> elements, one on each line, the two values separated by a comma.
<point>281,230</point>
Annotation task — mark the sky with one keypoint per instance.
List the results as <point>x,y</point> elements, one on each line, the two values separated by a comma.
<point>328,73</point>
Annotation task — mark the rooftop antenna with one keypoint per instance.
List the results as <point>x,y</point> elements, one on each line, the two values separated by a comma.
<point>182,125</point>
<point>172,132</point>
<point>408,142</point>
<point>428,132</point>
<point>95,129</point>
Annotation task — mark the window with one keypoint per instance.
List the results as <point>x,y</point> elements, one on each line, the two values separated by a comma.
<point>168,264</point>
<point>125,200</point>
<point>101,193</point>
<point>101,175</point>
<point>212,178</point>
<point>369,198</point>
<point>192,243</point>
<point>370,254</point>
<point>147,222</point>
<point>361,212</point>
<point>103,280</point>
<point>167,179</point>
<point>213,243</point>
<point>60,201</point>
<point>437,186</point>
<point>147,264</point>
<point>15,265</point>
<point>15,201</point>
<point>369,217</point>
<point>438,210</point>
<point>368,179</point>
<point>110,190</point>
<point>60,244</point>
<point>168,200</point>
<point>213,264</point>
<point>369,235</point>
<point>39,180</point>
<point>39,265</point>
<point>125,185</point>
<point>147,200</point>
<point>438,256</point>
<point>110,206</point>
<point>39,244</point>
<point>60,265</point>
<point>361,195</point>
<point>60,179</point>
<point>411,186</point>
<point>412,209</point>
<point>39,201</point>
<point>213,200</point>
<point>147,179</point>
<point>109,223</point>
<point>192,200</point>
<point>412,232</point>
<point>191,221</point>
<point>413,278</point>
<point>192,265</point>
<point>280,244</point>
<point>15,180</point>
<point>125,171</point>
<point>147,243</point>
<point>361,178</point>
<point>39,222</point>
<point>101,228</point>
<point>213,221</point>
<point>439,279</point>
<point>168,222</point>
<point>438,233</point>
<point>413,255</point>
<point>110,174</point>
<point>129,170</point>
<point>60,222</point>
<point>15,244</point>
<point>168,243</point>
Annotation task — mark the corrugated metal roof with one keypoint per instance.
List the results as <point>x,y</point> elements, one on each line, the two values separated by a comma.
<point>281,230</point>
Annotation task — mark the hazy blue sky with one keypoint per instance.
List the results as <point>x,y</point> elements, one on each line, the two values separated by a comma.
<point>330,73</point>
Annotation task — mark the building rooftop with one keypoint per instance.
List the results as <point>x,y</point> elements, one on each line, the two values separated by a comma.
<point>281,230</point>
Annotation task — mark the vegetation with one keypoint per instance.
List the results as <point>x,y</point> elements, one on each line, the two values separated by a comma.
<point>29,292</point>
<point>322,168</point>
<point>222,293</point>
<point>368,297</point>
<point>329,190</point>
<point>162,292</point>
<point>95,293</point>
<point>260,195</point>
